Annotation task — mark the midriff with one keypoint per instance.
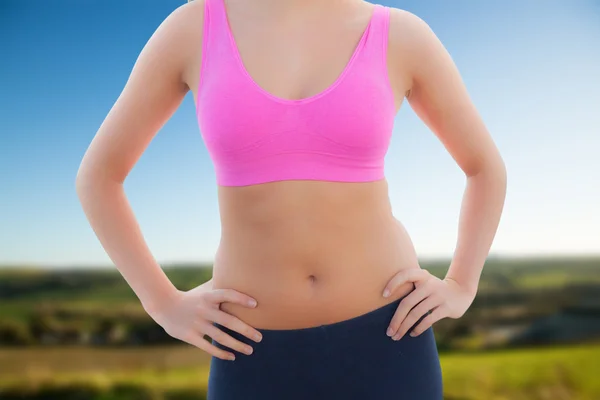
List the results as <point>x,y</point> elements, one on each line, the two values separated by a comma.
<point>310,252</point>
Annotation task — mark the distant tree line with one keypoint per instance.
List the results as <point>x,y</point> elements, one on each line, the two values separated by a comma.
<point>493,311</point>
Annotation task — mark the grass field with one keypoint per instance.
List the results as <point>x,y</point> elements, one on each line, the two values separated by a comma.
<point>162,371</point>
<point>550,373</point>
<point>569,373</point>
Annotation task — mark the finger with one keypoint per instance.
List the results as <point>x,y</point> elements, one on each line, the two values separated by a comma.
<point>416,314</point>
<point>200,342</point>
<point>407,304</point>
<point>229,295</point>
<point>235,324</point>
<point>225,339</point>
<point>413,275</point>
<point>428,321</point>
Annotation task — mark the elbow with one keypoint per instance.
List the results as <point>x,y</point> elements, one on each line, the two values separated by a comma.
<point>83,177</point>
<point>492,167</point>
<point>493,172</point>
<point>498,171</point>
<point>92,185</point>
<point>86,180</point>
<point>82,183</point>
<point>93,174</point>
<point>502,173</point>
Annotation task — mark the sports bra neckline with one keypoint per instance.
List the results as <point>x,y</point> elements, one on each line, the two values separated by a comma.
<point>348,66</point>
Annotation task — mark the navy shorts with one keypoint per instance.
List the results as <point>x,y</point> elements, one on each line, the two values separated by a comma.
<point>347,360</point>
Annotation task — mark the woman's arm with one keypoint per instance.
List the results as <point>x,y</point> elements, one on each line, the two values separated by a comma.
<point>151,95</point>
<point>438,96</point>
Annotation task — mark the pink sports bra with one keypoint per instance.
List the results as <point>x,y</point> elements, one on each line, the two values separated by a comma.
<point>341,134</point>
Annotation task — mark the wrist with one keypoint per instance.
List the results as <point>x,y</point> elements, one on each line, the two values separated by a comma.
<point>158,300</point>
<point>468,288</point>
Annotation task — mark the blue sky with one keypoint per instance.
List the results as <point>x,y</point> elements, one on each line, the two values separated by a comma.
<point>531,68</point>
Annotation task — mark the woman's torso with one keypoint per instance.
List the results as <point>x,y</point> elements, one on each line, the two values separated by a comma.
<point>310,252</point>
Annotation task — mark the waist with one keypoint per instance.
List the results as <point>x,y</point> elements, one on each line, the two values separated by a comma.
<point>309,252</point>
<point>312,279</point>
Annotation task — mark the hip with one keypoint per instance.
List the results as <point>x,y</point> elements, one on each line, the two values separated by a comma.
<point>353,359</point>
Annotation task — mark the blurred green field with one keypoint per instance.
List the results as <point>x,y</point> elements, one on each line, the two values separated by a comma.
<point>552,297</point>
<point>21,284</point>
<point>543,373</point>
<point>569,373</point>
<point>22,288</point>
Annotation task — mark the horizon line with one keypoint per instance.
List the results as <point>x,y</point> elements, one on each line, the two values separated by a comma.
<point>204,263</point>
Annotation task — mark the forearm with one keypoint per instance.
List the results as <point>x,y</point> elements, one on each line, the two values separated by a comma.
<point>481,208</point>
<point>112,219</point>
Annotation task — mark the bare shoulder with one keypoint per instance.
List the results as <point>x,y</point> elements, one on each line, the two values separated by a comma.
<point>409,32</point>
<point>191,28</point>
<point>411,43</point>
<point>179,38</point>
<point>155,88</point>
<point>403,20</point>
<point>187,19</point>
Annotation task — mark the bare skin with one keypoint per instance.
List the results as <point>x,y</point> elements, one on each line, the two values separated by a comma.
<point>309,252</point>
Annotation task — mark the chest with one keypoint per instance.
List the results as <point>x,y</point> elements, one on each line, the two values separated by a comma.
<point>295,58</point>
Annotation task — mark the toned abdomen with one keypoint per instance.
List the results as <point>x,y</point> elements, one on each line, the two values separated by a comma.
<point>310,253</point>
